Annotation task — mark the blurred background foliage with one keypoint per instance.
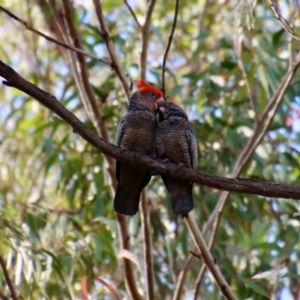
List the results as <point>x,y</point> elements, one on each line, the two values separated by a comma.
<point>57,221</point>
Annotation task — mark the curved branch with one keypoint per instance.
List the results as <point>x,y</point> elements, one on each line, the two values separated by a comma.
<point>163,88</point>
<point>238,185</point>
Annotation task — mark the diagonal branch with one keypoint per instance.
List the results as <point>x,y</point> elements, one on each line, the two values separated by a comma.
<point>208,259</point>
<point>133,14</point>
<point>145,39</point>
<point>9,283</point>
<point>111,49</point>
<point>248,186</point>
<point>49,38</point>
<point>284,23</point>
<point>163,88</point>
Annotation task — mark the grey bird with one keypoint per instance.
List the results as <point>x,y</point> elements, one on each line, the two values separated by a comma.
<point>176,142</point>
<point>136,133</point>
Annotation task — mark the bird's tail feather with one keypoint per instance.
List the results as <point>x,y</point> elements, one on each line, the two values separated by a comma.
<point>126,201</point>
<point>182,203</point>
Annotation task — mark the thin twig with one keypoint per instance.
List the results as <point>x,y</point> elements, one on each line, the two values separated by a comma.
<point>284,23</point>
<point>145,39</point>
<point>9,283</point>
<point>207,258</point>
<point>133,14</point>
<point>89,101</point>
<point>181,279</point>
<point>197,255</point>
<point>163,87</point>
<point>111,49</point>
<point>238,45</point>
<point>259,132</point>
<point>239,185</point>
<point>49,38</point>
<point>147,242</point>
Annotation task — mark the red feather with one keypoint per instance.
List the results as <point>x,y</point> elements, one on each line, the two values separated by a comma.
<point>144,88</point>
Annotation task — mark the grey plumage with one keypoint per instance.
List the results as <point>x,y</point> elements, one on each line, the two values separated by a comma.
<point>175,141</point>
<point>135,133</point>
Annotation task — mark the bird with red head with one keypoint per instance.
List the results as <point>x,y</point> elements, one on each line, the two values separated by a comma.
<point>136,133</point>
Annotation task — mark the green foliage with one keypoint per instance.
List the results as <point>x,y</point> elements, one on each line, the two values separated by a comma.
<point>57,220</point>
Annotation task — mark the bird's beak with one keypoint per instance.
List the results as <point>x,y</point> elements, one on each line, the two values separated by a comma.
<point>163,111</point>
<point>160,100</point>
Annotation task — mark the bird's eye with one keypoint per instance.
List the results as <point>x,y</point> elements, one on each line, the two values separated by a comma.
<point>153,95</point>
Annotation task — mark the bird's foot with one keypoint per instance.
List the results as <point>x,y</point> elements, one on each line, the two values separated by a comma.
<point>178,166</point>
<point>123,149</point>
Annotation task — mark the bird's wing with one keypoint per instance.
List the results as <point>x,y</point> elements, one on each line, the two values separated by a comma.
<point>120,133</point>
<point>192,146</point>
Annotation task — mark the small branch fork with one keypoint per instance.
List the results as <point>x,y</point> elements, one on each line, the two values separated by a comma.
<point>163,71</point>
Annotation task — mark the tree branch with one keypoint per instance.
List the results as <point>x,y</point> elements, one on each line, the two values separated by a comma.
<point>163,88</point>
<point>147,243</point>
<point>208,259</point>
<point>133,14</point>
<point>284,23</point>
<point>239,185</point>
<point>9,283</point>
<point>145,39</point>
<point>181,279</point>
<point>111,50</point>
<point>49,38</point>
